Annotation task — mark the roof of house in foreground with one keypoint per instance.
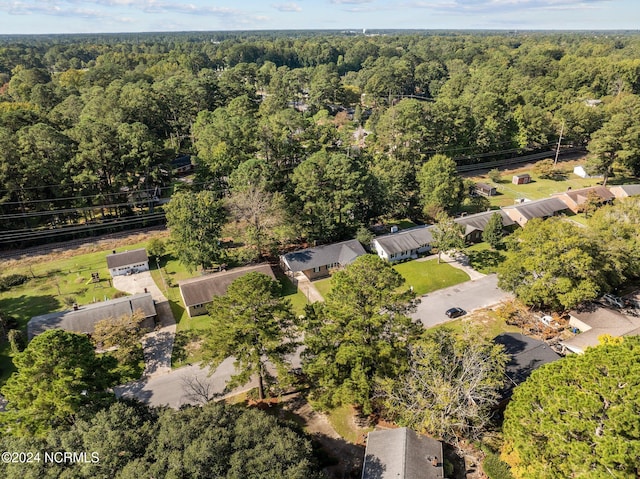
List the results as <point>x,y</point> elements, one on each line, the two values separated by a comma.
<point>629,190</point>
<point>201,290</point>
<point>84,319</point>
<point>343,253</point>
<point>125,258</point>
<point>525,356</point>
<point>406,240</point>
<point>402,454</point>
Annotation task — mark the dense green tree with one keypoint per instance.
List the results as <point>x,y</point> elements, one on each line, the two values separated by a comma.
<point>440,186</point>
<point>361,333</point>
<point>254,324</point>
<point>493,232</point>
<point>447,235</point>
<point>553,264</point>
<point>450,386</point>
<point>124,333</point>
<point>195,221</point>
<point>58,378</point>
<point>578,416</point>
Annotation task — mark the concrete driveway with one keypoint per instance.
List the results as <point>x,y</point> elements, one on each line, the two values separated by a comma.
<point>470,295</point>
<point>157,345</point>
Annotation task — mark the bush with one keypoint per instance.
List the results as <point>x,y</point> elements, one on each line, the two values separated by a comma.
<point>495,468</point>
<point>495,175</point>
<point>11,280</point>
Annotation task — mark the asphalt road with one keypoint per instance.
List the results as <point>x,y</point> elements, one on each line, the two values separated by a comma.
<point>471,295</point>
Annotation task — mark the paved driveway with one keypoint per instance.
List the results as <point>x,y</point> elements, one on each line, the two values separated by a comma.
<point>470,295</point>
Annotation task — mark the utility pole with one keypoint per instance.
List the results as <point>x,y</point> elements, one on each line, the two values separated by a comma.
<point>558,147</point>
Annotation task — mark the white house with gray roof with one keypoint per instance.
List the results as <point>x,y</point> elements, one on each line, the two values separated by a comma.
<point>404,244</point>
<point>83,319</point>
<point>322,260</point>
<point>402,454</point>
<point>128,262</point>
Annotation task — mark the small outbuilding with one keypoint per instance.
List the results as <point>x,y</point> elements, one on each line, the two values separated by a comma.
<point>521,179</point>
<point>128,262</point>
<point>485,189</point>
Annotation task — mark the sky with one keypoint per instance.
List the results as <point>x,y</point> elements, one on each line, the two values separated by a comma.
<point>98,16</point>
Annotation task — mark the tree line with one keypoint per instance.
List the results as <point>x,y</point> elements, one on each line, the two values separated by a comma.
<point>338,127</point>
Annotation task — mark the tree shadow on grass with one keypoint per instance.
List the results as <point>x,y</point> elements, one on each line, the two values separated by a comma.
<point>486,261</point>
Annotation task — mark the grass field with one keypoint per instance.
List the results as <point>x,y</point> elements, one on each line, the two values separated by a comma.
<point>427,276</point>
<point>483,259</point>
<point>486,321</point>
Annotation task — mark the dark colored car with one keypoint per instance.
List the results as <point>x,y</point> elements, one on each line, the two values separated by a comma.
<point>455,312</point>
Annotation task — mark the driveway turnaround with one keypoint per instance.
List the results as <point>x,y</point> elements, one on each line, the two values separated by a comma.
<point>470,295</point>
<point>157,345</point>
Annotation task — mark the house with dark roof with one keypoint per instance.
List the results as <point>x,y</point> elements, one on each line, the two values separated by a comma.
<point>592,321</point>
<point>574,199</point>
<point>624,191</point>
<point>197,293</point>
<point>404,244</point>
<point>82,319</point>
<point>128,262</point>
<point>525,356</point>
<point>321,261</point>
<point>402,454</point>
<point>475,224</point>
<point>545,208</point>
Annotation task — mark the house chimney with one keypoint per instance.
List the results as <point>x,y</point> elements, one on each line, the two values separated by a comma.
<point>114,251</point>
<point>75,306</point>
<point>145,290</point>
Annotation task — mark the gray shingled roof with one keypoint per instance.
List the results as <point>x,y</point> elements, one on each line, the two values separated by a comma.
<point>202,290</point>
<point>406,240</point>
<point>525,356</point>
<point>84,319</point>
<point>601,321</point>
<point>581,195</point>
<point>630,190</point>
<point>539,208</point>
<point>343,253</point>
<point>402,454</point>
<point>126,258</point>
<point>478,221</point>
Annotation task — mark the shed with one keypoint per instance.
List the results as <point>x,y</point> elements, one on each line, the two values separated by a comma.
<point>197,293</point>
<point>402,454</point>
<point>521,179</point>
<point>128,262</point>
<point>485,189</point>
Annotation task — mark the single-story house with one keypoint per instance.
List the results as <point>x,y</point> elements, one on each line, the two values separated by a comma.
<point>545,208</point>
<point>475,224</point>
<point>574,199</point>
<point>320,261</point>
<point>128,262</point>
<point>525,356</point>
<point>404,244</point>
<point>594,321</point>
<point>198,292</point>
<point>521,179</point>
<point>402,454</point>
<point>82,319</point>
<point>624,191</point>
<point>484,189</point>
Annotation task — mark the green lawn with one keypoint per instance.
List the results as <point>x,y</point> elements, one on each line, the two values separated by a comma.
<point>293,294</point>
<point>483,259</point>
<point>487,323</point>
<point>427,276</point>
<point>323,286</point>
<point>341,418</point>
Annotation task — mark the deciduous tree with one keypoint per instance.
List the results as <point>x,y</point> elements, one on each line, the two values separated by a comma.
<point>493,231</point>
<point>451,384</point>
<point>440,185</point>
<point>447,235</point>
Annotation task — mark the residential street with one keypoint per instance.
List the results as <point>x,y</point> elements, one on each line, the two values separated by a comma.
<point>471,295</point>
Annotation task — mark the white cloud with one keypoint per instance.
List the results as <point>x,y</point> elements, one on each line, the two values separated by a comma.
<point>287,7</point>
<point>486,6</point>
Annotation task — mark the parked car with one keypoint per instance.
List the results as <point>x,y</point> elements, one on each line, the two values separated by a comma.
<point>455,312</point>
<point>613,301</point>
